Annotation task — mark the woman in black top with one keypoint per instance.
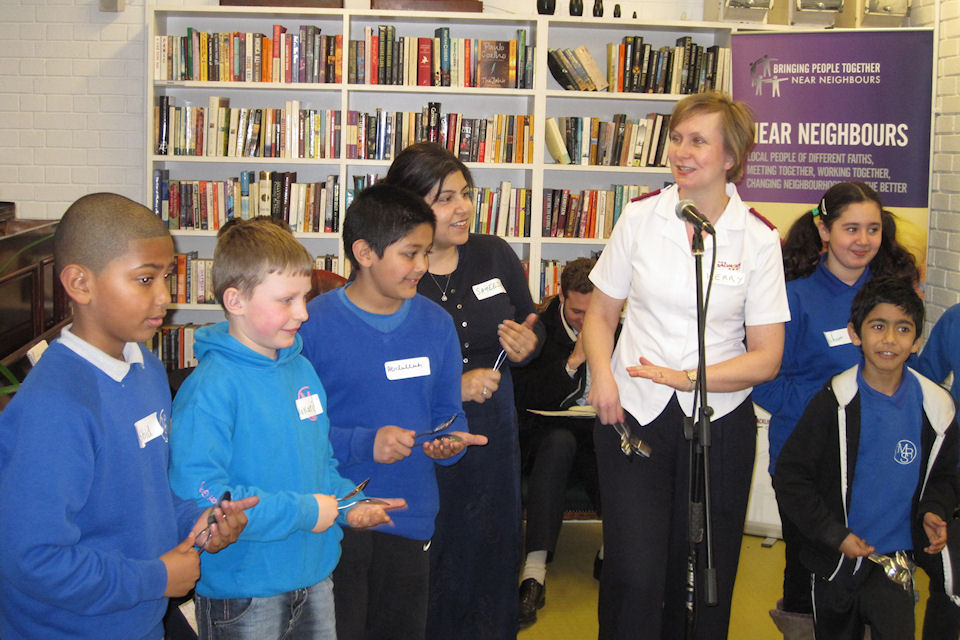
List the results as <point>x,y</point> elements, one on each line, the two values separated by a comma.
<point>475,551</point>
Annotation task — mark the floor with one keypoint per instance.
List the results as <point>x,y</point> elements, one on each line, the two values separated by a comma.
<point>570,612</point>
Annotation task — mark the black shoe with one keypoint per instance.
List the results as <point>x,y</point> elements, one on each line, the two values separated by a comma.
<point>532,597</point>
<point>597,566</point>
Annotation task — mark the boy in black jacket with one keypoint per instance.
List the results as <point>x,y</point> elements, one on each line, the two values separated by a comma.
<point>871,468</point>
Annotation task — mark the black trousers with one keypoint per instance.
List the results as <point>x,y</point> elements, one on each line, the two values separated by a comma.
<point>380,586</point>
<point>796,577</point>
<point>558,449</point>
<point>645,513</point>
<point>843,606</point>
<point>942,618</point>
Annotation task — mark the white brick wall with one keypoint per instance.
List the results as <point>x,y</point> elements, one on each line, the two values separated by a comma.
<point>943,257</point>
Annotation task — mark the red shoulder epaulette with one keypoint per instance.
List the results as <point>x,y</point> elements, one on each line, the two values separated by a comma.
<point>759,217</point>
<point>645,195</point>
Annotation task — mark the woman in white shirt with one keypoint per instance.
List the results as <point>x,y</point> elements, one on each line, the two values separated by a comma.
<point>647,383</point>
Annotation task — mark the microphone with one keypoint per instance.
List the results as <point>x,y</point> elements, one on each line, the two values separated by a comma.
<point>687,210</point>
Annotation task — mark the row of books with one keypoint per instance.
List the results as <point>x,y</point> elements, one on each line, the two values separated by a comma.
<point>504,211</point>
<point>192,282</point>
<point>302,56</point>
<point>173,344</point>
<point>209,204</point>
<point>591,213</point>
<point>622,142</point>
<point>219,130</point>
<point>439,61</point>
<point>576,70</point>
<point>504,138</point>
<point>635,66</point>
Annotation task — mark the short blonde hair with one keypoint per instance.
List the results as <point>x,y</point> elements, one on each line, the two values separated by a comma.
<point>250,250</point>
<point>736,123</point>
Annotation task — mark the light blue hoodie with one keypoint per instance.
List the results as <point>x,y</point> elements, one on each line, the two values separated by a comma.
<point>236,427</point>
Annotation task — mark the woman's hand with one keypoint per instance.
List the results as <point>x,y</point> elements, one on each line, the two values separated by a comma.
<point>518,340</point>
<point>661,375</point>
<point>478,385</point>
<point>605,398</point>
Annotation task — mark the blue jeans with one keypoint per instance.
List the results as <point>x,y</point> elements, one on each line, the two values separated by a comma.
<point>305,614</point>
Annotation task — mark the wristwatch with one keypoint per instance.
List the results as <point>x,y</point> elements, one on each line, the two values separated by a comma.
<point>692,377</point>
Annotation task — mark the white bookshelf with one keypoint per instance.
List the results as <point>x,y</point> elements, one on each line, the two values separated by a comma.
<point>545,99</point>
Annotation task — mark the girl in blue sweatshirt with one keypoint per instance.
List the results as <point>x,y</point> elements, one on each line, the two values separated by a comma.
<point>829,253</point>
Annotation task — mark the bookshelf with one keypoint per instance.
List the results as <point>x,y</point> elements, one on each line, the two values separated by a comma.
<point>542,97</point>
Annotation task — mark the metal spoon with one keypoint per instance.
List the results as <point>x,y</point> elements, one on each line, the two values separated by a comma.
<point>355,502</point>
<point>357,489</point>
<point>437,429</point>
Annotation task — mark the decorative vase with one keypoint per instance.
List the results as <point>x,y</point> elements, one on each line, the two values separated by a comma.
<point>546,7</point>
<point>616,10</point>
<point>576,7</point>
<point>597,8</point>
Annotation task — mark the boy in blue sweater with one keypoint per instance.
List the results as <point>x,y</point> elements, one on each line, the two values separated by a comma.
<point>871,468</point>
<point>390,363</point>
<point>89,530</point>
<point>252,420</point>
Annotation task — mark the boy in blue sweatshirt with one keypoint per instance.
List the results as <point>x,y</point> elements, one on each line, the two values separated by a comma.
<point>252,420</point>
<point>390,363</point>
<point>89,529</point>
<point>871,468</point>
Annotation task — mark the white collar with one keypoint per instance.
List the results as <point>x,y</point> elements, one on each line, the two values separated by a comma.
<point>116,369</point>
<point>571,332</point>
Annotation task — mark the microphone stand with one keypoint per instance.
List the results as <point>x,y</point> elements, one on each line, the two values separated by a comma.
<point>696,429</point>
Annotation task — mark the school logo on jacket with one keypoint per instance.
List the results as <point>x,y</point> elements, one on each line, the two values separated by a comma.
<point>906,452</point>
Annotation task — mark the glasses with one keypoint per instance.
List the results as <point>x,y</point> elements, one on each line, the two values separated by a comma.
<point>200,542</point>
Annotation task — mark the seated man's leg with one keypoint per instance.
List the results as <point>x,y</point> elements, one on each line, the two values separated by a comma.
<point>554,451</point>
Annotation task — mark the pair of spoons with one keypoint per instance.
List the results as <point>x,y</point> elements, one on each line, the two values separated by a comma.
<point>631,444</point>
<point>346,501</point>
<point>898,568</point>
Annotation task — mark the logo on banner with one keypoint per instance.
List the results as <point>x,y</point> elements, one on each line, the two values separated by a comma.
<point>762,73</point>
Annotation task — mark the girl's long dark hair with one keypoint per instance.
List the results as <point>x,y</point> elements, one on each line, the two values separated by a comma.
<point>803,246</point>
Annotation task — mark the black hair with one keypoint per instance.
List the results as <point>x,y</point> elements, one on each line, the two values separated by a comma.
<point>99,227</point>
<point>422,166</point>
<point>803,246</point>
<point>382,214</point>
<point>576,276</point>
<point>887,290</point>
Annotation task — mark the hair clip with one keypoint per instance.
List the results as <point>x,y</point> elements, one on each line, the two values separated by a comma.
<point>815,212</point>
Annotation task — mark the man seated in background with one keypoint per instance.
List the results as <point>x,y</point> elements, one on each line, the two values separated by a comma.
<point>554,447</point>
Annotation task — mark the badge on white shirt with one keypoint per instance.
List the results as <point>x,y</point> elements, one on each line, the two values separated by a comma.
<point>488,289</point>
<point>407,368</point>
<point>837,337</point>
<point>148,428</point>
<point>729,273</point>
<point>309,406</point>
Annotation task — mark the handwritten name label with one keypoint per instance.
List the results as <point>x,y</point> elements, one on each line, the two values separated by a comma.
<point>308,406</point>
<point>407,368</point>
<point>488,289</point>
<point>729,273</point>
<point>837,337</point>
<point>148,428</point>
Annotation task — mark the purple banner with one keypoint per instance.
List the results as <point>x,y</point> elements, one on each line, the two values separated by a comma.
<point>834,106</point>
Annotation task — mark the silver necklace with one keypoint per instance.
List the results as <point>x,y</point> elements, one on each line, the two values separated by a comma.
<point>443,289</point>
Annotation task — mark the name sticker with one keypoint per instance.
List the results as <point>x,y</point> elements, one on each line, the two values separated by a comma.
<point>148,428</point>
<point>837,337</point>
<point>407,368</point>
<point>728,273</point>
<point>488,289</point>
<point>309,406</point>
